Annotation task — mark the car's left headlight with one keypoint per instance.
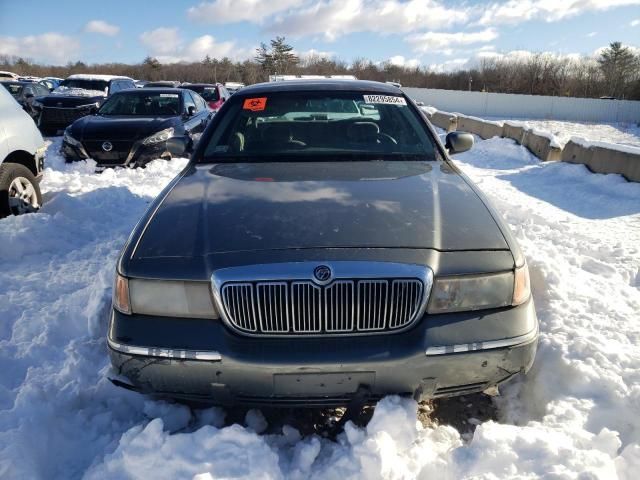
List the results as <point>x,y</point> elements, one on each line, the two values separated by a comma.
<point>161,136</point>
<point>70,140</point>
<point>166,298</point>
<point>477,292</point>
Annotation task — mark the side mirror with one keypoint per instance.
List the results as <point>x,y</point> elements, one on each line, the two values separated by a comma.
<point>29,96</point>
<point>458,142</point>
<point>177,146</point>
<point>191,111</point>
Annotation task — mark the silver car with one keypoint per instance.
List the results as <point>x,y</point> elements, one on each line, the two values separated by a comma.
<point>21,159</point>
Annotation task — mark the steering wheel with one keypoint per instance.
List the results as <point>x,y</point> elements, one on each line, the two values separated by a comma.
<point>387,139</point>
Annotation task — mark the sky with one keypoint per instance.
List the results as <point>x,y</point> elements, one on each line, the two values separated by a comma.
<point>441,35</point>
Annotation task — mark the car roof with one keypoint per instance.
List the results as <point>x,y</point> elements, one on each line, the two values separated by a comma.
<point>17,82</point>
<point>319,85</point>
<point>143,91</point>
<point>187,85</point>
<point>91,76</point>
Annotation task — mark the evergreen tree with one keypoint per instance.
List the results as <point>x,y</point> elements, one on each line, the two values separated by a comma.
<point>618,65</point>
<point>278,59</point>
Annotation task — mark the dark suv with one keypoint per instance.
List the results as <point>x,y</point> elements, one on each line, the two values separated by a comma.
<point>77,96</point>
<point>321,247</point>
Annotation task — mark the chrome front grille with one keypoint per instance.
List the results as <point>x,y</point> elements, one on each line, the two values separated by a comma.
<point>302,307</point>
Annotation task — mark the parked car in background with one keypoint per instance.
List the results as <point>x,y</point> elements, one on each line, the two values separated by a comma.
<point>233,87</point>
<point>21,159</point>
<point>51,82</point>
<point>306,257</point>
<point>29,78</point>
<point>215,94</point>
<point>136,126</point>
<point>77,96</point>
<point>162,83</point>
<point>8,76</point>
<point>25,93</point>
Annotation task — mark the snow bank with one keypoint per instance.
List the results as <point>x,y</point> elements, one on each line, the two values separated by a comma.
<point>577,415</point>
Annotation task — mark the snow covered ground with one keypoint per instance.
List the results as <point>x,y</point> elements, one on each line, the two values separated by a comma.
<point>620,133</point>
<point>576,415</point>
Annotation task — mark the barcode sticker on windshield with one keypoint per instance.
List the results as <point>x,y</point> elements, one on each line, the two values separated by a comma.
<point>389,99</point>
<point>169,95</point>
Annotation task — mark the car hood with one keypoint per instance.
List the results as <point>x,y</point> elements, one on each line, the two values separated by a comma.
<point>97,127</point>
<point>222,208</point>
<point>69,101</point>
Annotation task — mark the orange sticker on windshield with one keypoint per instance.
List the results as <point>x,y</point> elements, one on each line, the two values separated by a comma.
<point>255,104</point>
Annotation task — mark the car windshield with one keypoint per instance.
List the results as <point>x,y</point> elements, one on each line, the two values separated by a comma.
<point>85,84</point>
<point>210,94</point>
<point>142,103</point>
<point>14,88</point>
<point>320,126</point>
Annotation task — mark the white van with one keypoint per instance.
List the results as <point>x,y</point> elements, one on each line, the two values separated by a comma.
<point>21,159</point>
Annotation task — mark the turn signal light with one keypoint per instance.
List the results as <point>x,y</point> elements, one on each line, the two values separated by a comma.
<point>121,294</point>
<point>521,285</point>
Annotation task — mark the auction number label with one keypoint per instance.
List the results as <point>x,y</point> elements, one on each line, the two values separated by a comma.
<point>388,99</point>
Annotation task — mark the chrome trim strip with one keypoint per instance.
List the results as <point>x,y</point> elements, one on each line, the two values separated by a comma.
<point>488,345</point>
<point>165,352</point>
<point>303,271</point>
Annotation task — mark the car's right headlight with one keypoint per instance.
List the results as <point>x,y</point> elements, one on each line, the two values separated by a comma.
<point>36,104</point>
<point>477,292</point>
<point>167,298</point>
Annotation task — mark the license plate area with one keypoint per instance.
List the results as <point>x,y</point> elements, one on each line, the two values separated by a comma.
<point>321,384</point>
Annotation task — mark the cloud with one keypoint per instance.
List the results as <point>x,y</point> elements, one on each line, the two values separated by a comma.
<point>518,11</point>
<point>400,61</point>
<point>230,11</point>
<point>442,42</point>
<point>166,44</point>
<point>51,47</point>
<point>313,54</point>
<point>635,23</point>
<point>591,34</point>
<point>335,18</point>
<point>101,27</point>
<point>450,65</point>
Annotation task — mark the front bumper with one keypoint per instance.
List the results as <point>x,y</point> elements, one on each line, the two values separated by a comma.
<point>442,355</point>
<point>135,156</point>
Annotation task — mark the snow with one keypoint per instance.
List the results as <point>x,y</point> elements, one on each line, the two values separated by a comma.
<point>95,76</point>
<point>617,133</point>
<point>77,92</point>
<point>576,415</point>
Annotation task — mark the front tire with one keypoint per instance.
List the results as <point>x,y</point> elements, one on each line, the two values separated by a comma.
<point>19,190</point>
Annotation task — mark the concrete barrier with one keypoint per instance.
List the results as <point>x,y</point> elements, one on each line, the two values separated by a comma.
<point>604,158</point>
<point>575,152</point>
<point>491,129</point>
<point>444,120</point>
<point>599,157</point>
<point>514,132</point>
<point>542,146</point>
<point>483,128</point>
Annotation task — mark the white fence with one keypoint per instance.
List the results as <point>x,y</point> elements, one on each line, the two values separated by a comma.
<point>505,105</point>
